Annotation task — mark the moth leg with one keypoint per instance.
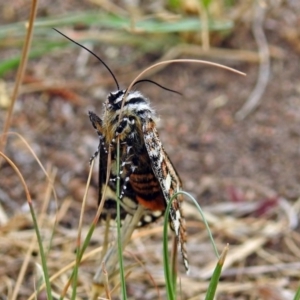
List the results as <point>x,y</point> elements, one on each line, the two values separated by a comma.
<point>95,154</point>
<point>125,132</point>
<point>97,124</point>
<point>125,172</point>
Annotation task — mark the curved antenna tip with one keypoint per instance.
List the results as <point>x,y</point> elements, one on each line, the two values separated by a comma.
<point>95,55</point>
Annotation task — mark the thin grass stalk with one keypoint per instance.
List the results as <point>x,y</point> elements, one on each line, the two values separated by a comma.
<point>66,268</point>
<point>171,289</point>
<point>102,201</point>
<point>106,238</point>
<point>106,282</point>
<point>35,224</point>
<point>38,223</point>
<point>50,180</point>
<point>20,74</point>
<point>45,204</point>
<point>170,286</point>
<point>119,238</point>
<point>297,296</point>
<point>112,256</point>
<point>79,253</point>
<point>174,260</point>
<point>75,276</point>
<point>42,252</point>
<point>204,221</point>
<point>197,61</point>
<point>43,211</point>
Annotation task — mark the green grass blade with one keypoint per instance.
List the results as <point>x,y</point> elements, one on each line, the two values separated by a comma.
<point>120,248</point>
<point>206,3</point>
<point>213,284</point>
<point>171,289</point>
<point>204,221</point>
<point>183,25</point>
<point>110,21</point>
<point>42,253</point>
<point>174,4</point>
<point>13,62</point>
<point>81,252</point>
<point>87,18</point>
<point>79,255</point>
<point>297,296</point>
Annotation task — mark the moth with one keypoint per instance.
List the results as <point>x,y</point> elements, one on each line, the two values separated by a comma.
<point>147,175</point>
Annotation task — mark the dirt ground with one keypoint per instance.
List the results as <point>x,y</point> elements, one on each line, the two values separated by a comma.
<point>226,163</point>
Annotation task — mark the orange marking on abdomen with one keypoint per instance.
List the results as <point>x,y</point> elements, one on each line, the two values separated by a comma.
<point>157,203</point>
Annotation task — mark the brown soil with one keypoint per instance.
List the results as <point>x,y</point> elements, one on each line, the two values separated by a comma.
<point>220,159</point>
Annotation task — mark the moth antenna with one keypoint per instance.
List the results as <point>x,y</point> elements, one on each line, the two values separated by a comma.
<point>95,55</point>
<point>163,87</point>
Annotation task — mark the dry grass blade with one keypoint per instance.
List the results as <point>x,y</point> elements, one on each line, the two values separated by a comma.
<point>33,240</point>
<point>26,261</point>
<point>20,73</point>
<point>177,61</point>
<point>29,200</point>
<point>111,258</point>
<point>50,182</point>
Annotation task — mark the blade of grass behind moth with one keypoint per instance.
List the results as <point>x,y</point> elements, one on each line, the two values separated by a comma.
<point>106,237</point>
<point>98,278</point>
<point>101,205</point>
<point>120,247</point>
<point>112,256</point>
<point>297,296</point>
<point>213,284</point>
<point>204,221</point>
<point>174,260</point>
<point>106,282</point>
<point>35,224</point>
<point>168,276</point>
<point>171,289</point>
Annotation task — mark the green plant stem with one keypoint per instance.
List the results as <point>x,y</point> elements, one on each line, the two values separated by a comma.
<point>119,238</point>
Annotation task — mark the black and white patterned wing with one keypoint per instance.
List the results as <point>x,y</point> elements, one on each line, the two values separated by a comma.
<point>169,181</point>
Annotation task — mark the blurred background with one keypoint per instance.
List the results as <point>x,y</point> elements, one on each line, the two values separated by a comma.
<point>234,140</point>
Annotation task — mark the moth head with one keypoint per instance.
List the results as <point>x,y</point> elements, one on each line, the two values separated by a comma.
<point>114,100</point>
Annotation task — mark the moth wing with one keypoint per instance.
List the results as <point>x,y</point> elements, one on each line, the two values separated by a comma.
<point>169,181</point>
<point>101,152</point>
<point>105,171</point>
